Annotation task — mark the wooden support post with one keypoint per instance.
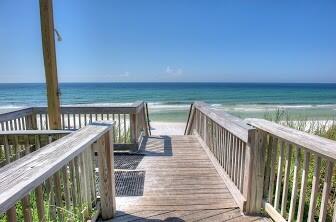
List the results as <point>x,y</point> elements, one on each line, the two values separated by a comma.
<point>104,146</point>
<point>254,171</point>
<point>50,66</point>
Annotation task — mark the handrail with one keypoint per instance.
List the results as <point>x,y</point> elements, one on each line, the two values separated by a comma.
<point>231,143</point>
<point>230,122</point>
<point>316,144</point>
<point>16,144</point>
<point>35,132</point>
<point>75,117</point>
<point>22,176</point>
<point>18,113</point>
<point>285,150</point>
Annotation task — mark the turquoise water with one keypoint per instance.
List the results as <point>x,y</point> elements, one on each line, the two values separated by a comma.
<point>170,101</point>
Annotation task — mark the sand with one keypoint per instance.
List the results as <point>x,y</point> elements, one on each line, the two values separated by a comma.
<point>167,128</point>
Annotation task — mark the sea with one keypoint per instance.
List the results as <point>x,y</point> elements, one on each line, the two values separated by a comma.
<point>170,102</point>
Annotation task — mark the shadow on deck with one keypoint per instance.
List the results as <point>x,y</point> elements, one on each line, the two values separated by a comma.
<point>178,183</point>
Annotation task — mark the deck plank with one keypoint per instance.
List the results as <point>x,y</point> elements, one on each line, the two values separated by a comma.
<point>181,184</point>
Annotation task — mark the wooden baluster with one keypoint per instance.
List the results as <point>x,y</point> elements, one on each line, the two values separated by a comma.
<point>88,172</point>
<point>242,167</point>
<point>17,147</point>
<point>68,115</point>
<point>80,120</point>
<point>295,185</point>
<point>26,207</point>
<point>41,122</point>
<point>226,151</point>
<point>326,191</point>
<point>84,185</point>
<point>132,126</point>
<point>51,193</point>
<point>268,164</point>
<point>119,130</point>
<point>125,129</point>
<point>19,123</point>
<point>239,156</point>
<point>78,183</point>
<point>73,186</point>
<point>305,172</point>
<point>63,121</point>
<point>74,121</point>
<point>279,176</point>
<point>315,186</point>
<point>47,121</point>
<point>233,169</point>
<point>65,178</point>
<point>222,148</point>
<point>11,213</point>
<point>39,190</point>
<point>92,174</point>
<point>286,180</point>
<point>11,125</point>
<point>272,170</point>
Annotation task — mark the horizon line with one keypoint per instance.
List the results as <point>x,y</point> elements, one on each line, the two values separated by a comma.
<point>177,82</point>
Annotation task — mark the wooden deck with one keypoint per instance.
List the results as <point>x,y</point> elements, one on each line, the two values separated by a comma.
<point>180,184</point>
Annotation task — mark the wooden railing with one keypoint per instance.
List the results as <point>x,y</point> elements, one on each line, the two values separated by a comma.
<point>298,173</point>
<point>131,122</point>
<point>22,119</point>
<point>231,142</point>
<point>267,167</point>
<point>59,180</point>
<point>16,144</point>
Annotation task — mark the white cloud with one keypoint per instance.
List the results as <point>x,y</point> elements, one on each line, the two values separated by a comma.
<point>174,71</point>
<point>125,74</point>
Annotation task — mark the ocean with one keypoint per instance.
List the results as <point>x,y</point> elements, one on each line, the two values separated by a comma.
<point>171,101</point>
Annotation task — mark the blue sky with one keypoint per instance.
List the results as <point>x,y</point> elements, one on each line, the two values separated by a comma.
<point>173,40</point>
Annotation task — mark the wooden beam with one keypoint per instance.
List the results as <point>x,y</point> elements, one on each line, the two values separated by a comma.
<point>50,66</point>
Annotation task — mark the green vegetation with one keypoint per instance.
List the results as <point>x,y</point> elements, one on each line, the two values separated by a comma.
<point>325,129</point>
<point>52,212</point>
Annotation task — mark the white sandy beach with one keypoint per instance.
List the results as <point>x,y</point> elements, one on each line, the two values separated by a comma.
<point>167,128</point>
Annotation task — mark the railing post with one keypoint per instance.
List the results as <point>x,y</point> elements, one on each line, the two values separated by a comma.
<point>106,175</point>
<point>254,171</point>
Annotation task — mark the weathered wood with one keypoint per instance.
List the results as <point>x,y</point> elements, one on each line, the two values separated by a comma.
<point>315,186</point>
<point>106,175</point>
<point>50,65</point>
<point>286,180</point>
<point>305,172</point>
<point>279,176</point>
<point>238,197</point>
<point>321,146</point>
<point>326,191</point>
<point>273,213</point>
<point>35,132</point>
<point>295,185</point>
<point>36,167</point>
<point>20,113</point>
<point>233,124</point>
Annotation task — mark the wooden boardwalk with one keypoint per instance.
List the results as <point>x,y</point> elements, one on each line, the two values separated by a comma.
<point>180,184</point>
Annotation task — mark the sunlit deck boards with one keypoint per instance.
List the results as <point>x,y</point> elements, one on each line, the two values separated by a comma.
<point>180,184</point>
